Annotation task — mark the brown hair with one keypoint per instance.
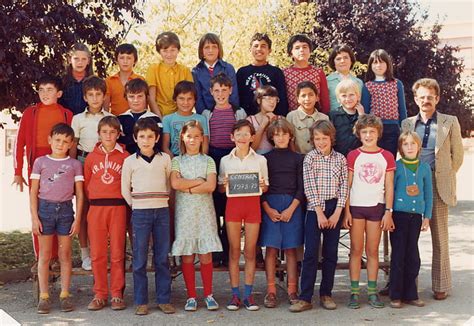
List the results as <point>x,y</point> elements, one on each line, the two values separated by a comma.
<point>184,87</point>
<point>111,121</point>
<point>265,90</point>
<point>380,55</point>
<point>298,38</point>
<point>213,39</point>
<point>403,136</point>
<point>93,83</point>
<point>427,83</point>
<point>326,128</point>
<point>136,85</point>
<point>188,125</point>
<point>221,79</point>
<point>261,37</point>
<point>338,49</point>
<point>243,123</point>
<point>368,120</point>
<point>126,48</point>
<point>279,125</point>
<point>167,39</point>
<point>62,129</point>
<point>144,124</point>
<point>306,84</point>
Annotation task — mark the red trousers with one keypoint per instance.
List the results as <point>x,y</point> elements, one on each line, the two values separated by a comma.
<point>104,224</point>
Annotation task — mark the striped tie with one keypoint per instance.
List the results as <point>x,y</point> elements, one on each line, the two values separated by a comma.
<point>211,71</point>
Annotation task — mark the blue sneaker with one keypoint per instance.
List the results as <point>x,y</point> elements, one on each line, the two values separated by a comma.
<point>250,304</point>
<point>211,303</point>
<point>191,304</point>
<point>234,303</point>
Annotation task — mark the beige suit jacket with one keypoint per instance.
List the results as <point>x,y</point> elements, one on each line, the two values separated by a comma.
<point>449,154</point>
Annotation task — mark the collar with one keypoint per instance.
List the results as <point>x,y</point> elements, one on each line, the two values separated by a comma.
<point>337,76</point>
<point>167,68</point>
<point>132,76</point>
<point>209,66</point>
<point>117,147</point>
<point>147,159</point>
<point>331,153</point>
<point>434,118</point>
<point>303,115</point>
<point>87,112</point>
<point>234,150</point>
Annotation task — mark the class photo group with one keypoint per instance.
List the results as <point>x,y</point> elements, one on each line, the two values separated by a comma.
<point>155,159</point>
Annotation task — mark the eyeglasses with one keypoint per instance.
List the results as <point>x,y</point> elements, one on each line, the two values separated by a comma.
<point>427,98</point>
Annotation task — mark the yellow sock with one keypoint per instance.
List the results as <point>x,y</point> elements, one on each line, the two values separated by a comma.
<point>44,296</point>
<point>64,294</point>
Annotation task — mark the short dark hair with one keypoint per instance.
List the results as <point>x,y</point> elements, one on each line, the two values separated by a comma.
<point>337,49</point>
<point>306,84</point>
<point>136,85</point>
<point>326,128</point>
<point>111,121</point>
<point>221,79</point>
<point>144,124</point>
<point>167,39</point>
<point>62,129</point>
<point>183,87</point>
<point>213,39</point>
<point>301,38</point>
<point>93,82</point>
<point>126,48</point>
<point>49,79</point>
<point>243,123</point>
<point>279,125</point>
<point>379,55</point>
<point>261,37</point>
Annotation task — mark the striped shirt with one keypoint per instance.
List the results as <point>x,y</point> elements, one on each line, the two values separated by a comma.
<point>325,177</point>
<point>220,128</point>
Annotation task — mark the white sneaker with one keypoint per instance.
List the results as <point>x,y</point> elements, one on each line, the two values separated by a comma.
<point>87,264</point>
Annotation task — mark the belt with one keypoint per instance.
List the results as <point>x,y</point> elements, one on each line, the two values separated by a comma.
<point>82,153</point>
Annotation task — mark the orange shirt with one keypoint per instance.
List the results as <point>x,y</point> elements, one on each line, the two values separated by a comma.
<point>115,91</point>
<point>48,116</point>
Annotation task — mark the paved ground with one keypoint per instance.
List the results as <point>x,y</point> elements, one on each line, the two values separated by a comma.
<point>458,309</point>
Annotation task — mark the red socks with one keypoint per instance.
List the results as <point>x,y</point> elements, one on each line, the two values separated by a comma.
<point>189,279</point>
<point>206,275</point>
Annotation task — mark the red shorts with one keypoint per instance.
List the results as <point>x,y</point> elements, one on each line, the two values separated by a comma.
<point>246,209</point>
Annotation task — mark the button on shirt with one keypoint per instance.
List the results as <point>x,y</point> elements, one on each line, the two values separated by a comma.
<point>427,132</point>
<point>302,122</point>
<point>85,128</point>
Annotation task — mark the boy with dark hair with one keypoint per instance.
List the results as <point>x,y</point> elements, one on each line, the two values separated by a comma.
<point>162,77</point>
<point>136,92</point>
<point>55,178</point>
<point>107,214</point>
<point>126,56</point>
<point>35,126</point>
<point>259,73</point>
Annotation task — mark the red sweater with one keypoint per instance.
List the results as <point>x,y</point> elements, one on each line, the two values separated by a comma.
<point>27,134</point>
<point>103,172</point>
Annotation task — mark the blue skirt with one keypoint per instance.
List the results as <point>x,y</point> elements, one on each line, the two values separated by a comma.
<point>282,235</point>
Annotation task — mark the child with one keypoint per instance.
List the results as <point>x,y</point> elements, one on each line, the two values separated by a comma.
<point>345,116</point>
<point>210,53</point>
<point>413,201</point>
<point>185,97</point>
<point>106,219</point>
<point>369,206</point>
<point>126,57</point>
<point>220,121</point>
<point>163,77</point>
<point>148,197</point>
<point>267,99</point>
<point>259,73</point>
<point>85,130</point>
<point>55,179</point>
<point>136,92</point>
<point>79,67</point>
<point>243,209</point>
<point>35,127</point>
<point>193,176</point>
<point>282,223</point>
<point>305,116</point>
<point>384,97</point>
<point>299,48</point>
<point>325,186</point>
<point>341,60</point>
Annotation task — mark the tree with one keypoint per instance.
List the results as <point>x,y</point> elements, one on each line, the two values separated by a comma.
<point>36,35</point>
<point>395,27</point>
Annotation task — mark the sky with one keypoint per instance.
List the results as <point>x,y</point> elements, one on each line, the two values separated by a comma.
<point>458,10</point>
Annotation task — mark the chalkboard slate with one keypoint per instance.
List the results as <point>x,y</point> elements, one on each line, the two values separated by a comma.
<point>243,184</point>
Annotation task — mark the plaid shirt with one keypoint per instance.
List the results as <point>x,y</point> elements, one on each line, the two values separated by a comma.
<point>325,177</point>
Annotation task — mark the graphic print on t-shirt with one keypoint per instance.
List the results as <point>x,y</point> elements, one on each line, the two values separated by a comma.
<point>371,172</point>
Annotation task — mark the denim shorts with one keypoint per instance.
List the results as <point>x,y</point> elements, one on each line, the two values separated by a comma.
<point>56,218</point>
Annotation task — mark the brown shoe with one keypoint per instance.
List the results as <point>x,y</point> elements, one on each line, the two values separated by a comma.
<point>97,304</point>
<point>327,302</point>
<point>397,304</point>
<point>44,306</point>
<point>118,303</point>
<point>417,302</point>
<point>141,310</point>
<point>270,300</point>
<point>292,298</point>
<point>66,304</point>
<point>440,295</point>
<point>167,308</point>
<point>300,306</point>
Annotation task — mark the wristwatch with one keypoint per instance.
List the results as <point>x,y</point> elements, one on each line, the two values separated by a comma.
<point>389,210</point>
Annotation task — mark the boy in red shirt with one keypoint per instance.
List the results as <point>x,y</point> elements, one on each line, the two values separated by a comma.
<point>35,126</point>
<point>106,219</point>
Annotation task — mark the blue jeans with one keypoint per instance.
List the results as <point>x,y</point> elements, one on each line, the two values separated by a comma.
<point>312,239</point>
<point>157,222</point>
<point>55,217</point>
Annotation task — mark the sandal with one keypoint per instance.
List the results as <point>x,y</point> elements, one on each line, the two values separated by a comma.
<point>354,302</point>
<point>375,302</point>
